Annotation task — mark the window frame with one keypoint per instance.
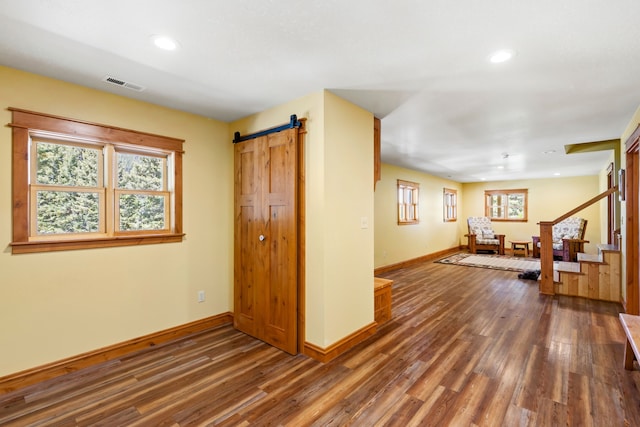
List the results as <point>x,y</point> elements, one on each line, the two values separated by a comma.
<point>412,189</point>
<point>450,205</point>
<point>27,123</point>
<point>506,193</point>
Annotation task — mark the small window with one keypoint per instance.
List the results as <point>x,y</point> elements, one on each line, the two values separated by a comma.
<point>80,185</point>
<point>506,205</point>
<point>408,209</point>
<point>450,203</point>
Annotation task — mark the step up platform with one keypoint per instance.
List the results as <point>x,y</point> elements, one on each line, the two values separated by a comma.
<point>594,276</point>
<point>595,258</point>
<point>564,267</point>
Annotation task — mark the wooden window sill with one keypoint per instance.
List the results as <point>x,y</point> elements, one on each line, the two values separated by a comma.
<point>107,242</point>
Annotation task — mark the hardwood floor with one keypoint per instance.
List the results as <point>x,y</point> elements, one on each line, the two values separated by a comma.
<point>466,346</point>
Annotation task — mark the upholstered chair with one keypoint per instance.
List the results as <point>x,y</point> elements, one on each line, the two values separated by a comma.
<point>482,237</point>
<point>567,237</point>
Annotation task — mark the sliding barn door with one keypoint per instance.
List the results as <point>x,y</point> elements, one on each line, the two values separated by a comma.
<point>266,249</point>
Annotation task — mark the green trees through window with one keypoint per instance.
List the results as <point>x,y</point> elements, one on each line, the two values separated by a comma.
<point>145,207</point>
<point>72,189</point>
<point>66,188</point>
<point>83,185</point>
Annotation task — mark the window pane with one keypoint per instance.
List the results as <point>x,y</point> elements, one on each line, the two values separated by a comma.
<point>407,202</point>
<point>142,212</point>
<point>516,206</point>
<point>67,212</point>
<point>137,172</point>
<point>495,201</point>
<point>506,205</point>
<point>66,165</point>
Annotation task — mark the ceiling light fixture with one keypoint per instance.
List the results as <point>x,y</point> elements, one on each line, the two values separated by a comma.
<point>164,42</point>
<point>501,56</point>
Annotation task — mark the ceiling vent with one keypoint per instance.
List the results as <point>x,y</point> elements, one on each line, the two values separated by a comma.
<point>122,83</point>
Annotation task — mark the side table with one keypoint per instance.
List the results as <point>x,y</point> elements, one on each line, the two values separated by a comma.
<point>520,246</point>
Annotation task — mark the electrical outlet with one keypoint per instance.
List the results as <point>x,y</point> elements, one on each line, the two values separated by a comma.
<point>200,296</point>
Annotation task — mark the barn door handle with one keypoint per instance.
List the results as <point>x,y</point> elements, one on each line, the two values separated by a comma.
<point>261,238</point>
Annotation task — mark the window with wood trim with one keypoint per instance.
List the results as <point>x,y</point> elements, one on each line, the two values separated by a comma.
<point>79,185</point>
<point>408,207</point>
<point>450,203</point>
<point>506,205</point>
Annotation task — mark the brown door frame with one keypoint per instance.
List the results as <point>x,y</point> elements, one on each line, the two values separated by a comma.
<point>302,215</point>
<point>629,191</point>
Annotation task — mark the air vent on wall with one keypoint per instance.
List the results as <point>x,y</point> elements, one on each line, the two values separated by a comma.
<point>122,83</point>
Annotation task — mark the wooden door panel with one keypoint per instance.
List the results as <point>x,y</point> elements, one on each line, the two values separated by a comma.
<point>280,172</point>
<point>278,319</point>
<point>248,182</point>
<point>245,296</point>
<point>246,231</point>
<point>266,278</point>
<point>280,202</point>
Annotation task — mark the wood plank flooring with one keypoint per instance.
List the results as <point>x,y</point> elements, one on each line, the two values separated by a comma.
<point>466,346</point>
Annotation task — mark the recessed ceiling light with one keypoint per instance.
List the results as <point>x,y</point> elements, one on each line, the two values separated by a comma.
<point>164,42</point>
<point>500,167</point>
<point>557,174</point>
<point>501,56</point>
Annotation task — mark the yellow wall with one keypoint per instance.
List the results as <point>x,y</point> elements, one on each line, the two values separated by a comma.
<point>348,177</point>
<point>633,124</point>
<point>548,199</point>
<point>57,305</point>
<point>396,243</point>
<point>339,193</point>
<point>65,303</point>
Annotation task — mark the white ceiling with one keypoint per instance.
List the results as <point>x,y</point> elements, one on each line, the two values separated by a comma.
<point>421,66</point>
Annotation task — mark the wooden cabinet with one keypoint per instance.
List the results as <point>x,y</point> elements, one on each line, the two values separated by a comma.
<point>382,299</point>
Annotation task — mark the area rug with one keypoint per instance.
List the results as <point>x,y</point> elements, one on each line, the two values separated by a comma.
<point>496,262</point>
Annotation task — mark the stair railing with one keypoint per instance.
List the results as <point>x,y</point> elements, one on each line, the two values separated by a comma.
<point>546,285</point>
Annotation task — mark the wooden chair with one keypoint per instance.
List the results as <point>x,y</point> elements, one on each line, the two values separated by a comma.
<point>568,239</point>
<point>482,237</point>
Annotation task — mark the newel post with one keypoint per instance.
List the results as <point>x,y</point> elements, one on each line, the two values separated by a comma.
<point>546,258</point>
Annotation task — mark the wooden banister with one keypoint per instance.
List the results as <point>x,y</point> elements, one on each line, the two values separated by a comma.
<point>546,242</point>
<point>586,204</point>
